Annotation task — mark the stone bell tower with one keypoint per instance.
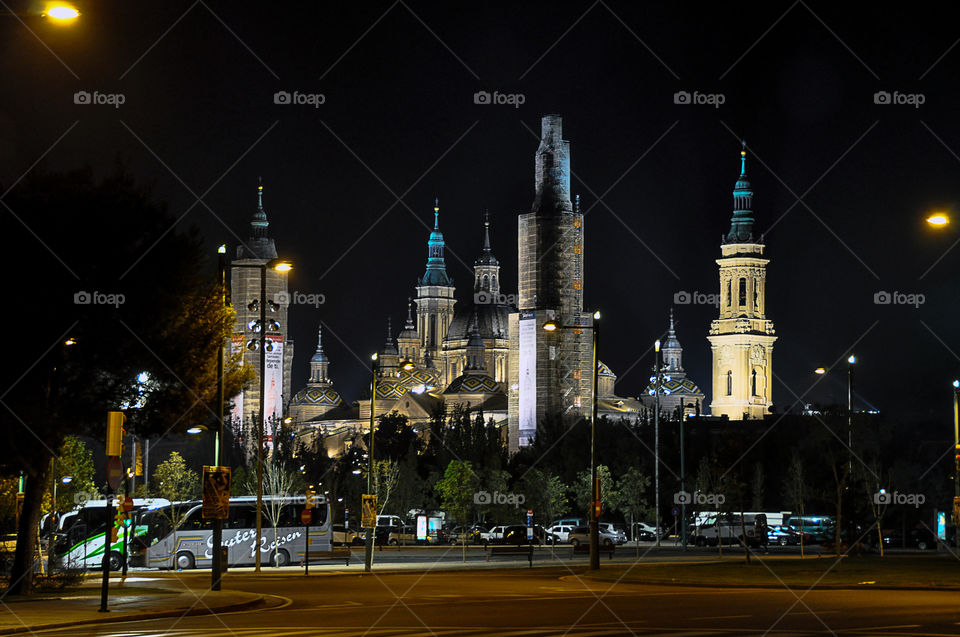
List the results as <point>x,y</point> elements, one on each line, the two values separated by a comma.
<point>741,339</point>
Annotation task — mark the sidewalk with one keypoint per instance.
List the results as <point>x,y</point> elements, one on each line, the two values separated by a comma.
<point>135,598</point>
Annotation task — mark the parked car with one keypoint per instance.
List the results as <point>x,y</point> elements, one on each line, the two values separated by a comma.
<point>786,536</point>
<point>562,531</point>
<point>820,528</point>
<point>342,536</point>
<point>496,534</point>
<point>581,535</point>
<point>609,528</point>
<point>570,522</point>
<point>474,534</point>
<point>728,529</point>
<point>517,534</point>
<point>916,538</point>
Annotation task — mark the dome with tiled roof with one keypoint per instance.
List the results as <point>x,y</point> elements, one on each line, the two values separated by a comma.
<point>675,385</point>
<point>317,395</point>
<point>473,384</point>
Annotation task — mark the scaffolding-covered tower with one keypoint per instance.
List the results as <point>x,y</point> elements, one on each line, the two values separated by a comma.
<point>550,372</point>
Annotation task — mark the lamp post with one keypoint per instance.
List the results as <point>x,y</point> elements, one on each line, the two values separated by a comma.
<point>656,435</point>
<point>850,362</point>
<point>279,265</point>
<point>217,566</point>
<point>368,548</point>
<point>956,471</point>
<point>593,514</point>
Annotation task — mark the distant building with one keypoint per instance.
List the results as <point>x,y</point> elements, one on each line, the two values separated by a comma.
<point>742,338</point>
<point>258,250</point>
<point>676,390</point>
<point>551,372</point>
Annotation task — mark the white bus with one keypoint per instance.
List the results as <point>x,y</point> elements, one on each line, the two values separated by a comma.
<point>80,534</point>
<point>190,545</point>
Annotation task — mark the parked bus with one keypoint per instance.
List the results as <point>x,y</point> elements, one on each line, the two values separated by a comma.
<point>79,538</point>
<point>190,545</point>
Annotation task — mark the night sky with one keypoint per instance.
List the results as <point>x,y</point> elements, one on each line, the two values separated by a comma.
<point>349,185</point>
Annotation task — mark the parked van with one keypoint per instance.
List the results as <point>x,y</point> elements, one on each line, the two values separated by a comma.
<point>726,528</point>
<point>820,528</point>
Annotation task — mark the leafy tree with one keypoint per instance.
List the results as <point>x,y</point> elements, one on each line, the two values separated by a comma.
<point>757,487</point>
<point>75,461</point>
<point>174,481</point>
<point>633,488</point>
<point>456,490</point>
<point>130,294</point>
<point>582,490</point>
<point>546,494</point>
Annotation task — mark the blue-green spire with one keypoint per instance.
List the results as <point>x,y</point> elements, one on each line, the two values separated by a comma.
<point>741,226</point>
<point>436,273</point>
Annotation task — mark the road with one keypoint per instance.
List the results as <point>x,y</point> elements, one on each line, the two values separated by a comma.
<point>539,601</point>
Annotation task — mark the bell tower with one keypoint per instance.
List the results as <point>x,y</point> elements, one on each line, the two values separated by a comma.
<point>434,300</point>
<point>742,338</point>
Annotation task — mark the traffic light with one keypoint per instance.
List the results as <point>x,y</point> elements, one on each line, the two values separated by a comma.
<point>311,498</point>
<point>115,432</point>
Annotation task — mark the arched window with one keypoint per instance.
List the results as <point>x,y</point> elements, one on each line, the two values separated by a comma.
<point>729,292</point>
<point>743,292</point>
<point>756,294</point>
<point>432,331</point>
<point>753,383</point>
<point>486,282</point>
<point>494,280</point>
<point>729,383</point>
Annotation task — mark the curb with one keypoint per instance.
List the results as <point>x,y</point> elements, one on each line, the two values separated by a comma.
<point>818,587</point>
<point>106,619</point>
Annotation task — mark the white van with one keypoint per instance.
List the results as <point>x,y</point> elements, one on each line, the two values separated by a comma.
<point>726,528</point>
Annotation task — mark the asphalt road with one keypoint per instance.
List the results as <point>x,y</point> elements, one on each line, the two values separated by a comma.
<point>540,601</point>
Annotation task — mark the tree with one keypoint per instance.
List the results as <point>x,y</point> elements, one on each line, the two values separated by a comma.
<point>123,292</point>
<point>757,487</point>
<point>385,476</point>
<point>546,494</point>
<point>75,461</point>
<point>278,482</point>
<point>582,490</point>
<point>456,490</point>
<point>794,489</point>
<point>633,488</point>
<point>174,481</point>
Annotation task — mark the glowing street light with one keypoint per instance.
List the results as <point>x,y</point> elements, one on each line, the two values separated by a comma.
<point>62,13</point>
<point>820,370</point>
<point>938,220</point>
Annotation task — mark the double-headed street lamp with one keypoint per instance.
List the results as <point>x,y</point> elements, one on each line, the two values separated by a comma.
<point>261,345</point>
<point>851,361</point>
<point>657,380</point>
<point>553,326</point>
<point>371,530</point>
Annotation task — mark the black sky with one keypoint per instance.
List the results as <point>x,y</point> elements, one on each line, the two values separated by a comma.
<point>399,120</point>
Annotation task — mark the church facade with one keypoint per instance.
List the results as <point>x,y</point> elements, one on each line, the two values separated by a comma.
<point>741,339</point>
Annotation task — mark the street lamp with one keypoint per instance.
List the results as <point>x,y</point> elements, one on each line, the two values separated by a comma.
<point>553,326</point>
<point>938,219</point>
<point>657,380</point>
<point>62,13</point>
<point>261,326</point>
<point>368,548</point>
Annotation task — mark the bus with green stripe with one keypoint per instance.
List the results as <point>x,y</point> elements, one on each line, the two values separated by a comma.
<point>178,536</point>
<point>80,535</point>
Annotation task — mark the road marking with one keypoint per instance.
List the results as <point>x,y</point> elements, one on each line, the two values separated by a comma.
<point>720,617</point>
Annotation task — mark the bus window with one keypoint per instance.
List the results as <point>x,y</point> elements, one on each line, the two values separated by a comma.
<point>242,516</point>
<point>193,520</point>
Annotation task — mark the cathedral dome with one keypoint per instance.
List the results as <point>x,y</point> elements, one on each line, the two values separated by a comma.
<point>473,384</point>
<point>317,396</point>
<point>683,386</point>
